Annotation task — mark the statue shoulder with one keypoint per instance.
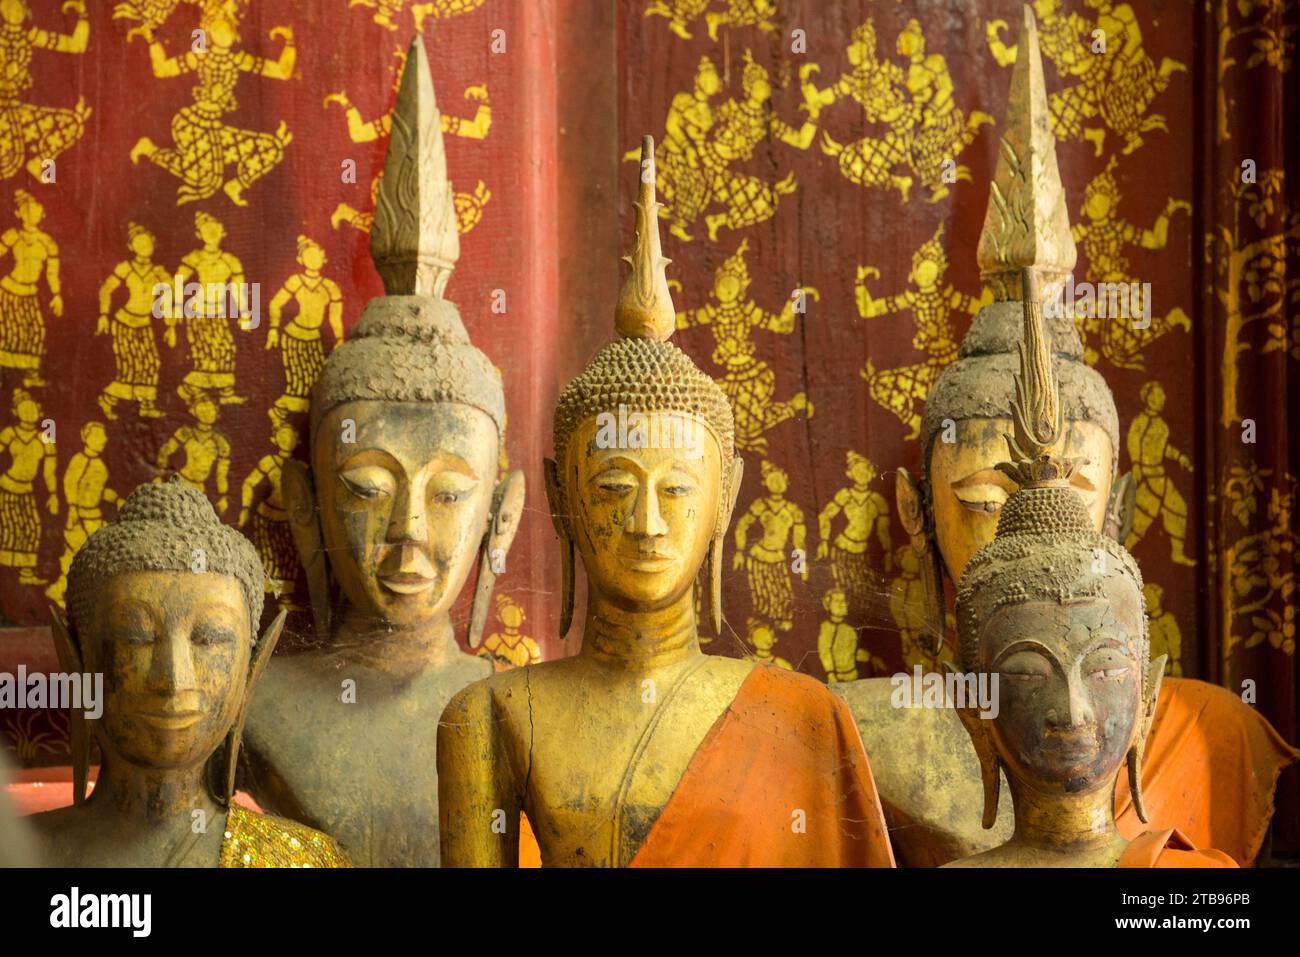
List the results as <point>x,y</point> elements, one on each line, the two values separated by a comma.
<point>264,840</point>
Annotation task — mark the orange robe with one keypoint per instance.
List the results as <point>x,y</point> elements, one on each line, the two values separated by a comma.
<point>1210,769</point>
<point>1170,848</point>
<point>780,780</point>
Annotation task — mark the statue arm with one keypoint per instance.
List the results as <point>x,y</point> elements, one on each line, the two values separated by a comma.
<point>473,786</point>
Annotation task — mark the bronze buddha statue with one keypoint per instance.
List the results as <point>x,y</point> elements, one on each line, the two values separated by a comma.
<point>1055,611</point>
<point>927,778</point>
<point>164,603</point>
<point>401,501</point>
<point>635,751</point>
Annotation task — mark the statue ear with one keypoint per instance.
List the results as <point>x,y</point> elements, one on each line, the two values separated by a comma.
<point>304,524</point>
<point>909,500</point>
<point>990,767</point>
<point>261,655</point>
<point>1151,695</point>
<point>503,523</point>
<point>70,661</point>
<point>560,519</point>
<point>1119,510</point>
<point>713,561</point>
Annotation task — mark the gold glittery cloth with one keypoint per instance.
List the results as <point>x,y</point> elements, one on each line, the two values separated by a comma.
<point>263,840</point>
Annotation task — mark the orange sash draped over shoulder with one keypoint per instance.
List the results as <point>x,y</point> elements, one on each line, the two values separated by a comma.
<point>781,780</point>
<point>1170,848</point>
<point>1211,768</point>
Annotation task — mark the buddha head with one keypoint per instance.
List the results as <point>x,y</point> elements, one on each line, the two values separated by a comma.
<point>1055,609</point>
<point>952,508</point>
<point>645,473</point>
<point>407,419</point>
<point>165,602</point>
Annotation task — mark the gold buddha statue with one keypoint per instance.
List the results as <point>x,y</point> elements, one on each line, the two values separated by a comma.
<point>164,602</point>
<point>641,750</point>
<point>1055,612</point>
<point>928,780</point>
<point>401,501</point>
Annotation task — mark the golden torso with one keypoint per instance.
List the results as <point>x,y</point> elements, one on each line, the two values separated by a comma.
<point>597,749</point>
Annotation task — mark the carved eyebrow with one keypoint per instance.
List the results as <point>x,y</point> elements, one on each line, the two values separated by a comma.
<point>984,477</point>
<point>451,462</point>
<point>614,458</point>
<point>1028,644</point>
<point>685,466</point>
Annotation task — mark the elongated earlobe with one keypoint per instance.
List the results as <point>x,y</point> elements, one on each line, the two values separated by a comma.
<point>262,655</point>
<point>70,660</point>
<point>555,501</point>
<point>713,561</point>
<point>503,524</point>
<point>1155,677</point>
<point>304,524</point>
<point>990,765</point>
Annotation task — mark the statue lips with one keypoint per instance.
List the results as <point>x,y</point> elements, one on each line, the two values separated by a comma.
<point>414,573</point>
<point>170,714</point>
<point>648,561</point>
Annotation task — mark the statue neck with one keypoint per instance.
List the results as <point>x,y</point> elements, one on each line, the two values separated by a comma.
<point>375,643</point>
<point>1064,824</point>
<point>153,795</point>
<point>639,640</point>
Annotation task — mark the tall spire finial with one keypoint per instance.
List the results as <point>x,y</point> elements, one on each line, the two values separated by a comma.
<point>1026,224</point>
<point>1036,408</point>
<point>645,306</point>
<point>414,242</point>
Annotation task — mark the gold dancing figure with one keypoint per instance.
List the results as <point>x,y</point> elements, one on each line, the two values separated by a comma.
<point>85,486</point>
<point>22,327</point>
<point>1156,497</point>
<point>205,448</point>
<point>767,561</point>
<point>30,135</point>
<point>318,299</point>
<point>220,276</point>
<point>865,512</point>
<point>135,353</point>
<point>20,522</point>
<point>270,532</point>
<point>205,146</point>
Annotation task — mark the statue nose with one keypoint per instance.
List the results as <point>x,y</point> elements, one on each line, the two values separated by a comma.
<point>645,518</point>
<point>406,523</point>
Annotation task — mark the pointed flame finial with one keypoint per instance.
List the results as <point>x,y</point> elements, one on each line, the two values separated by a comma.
<point>645,306</point>
<point>1026,224</point>
<point>414,241</point>
<point>1036,408</point>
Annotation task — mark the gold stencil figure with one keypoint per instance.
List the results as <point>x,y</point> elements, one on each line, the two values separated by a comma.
<point>1156,497</point>
<point>509,647</point>
<point>865,513</point>
<point>469,206</point>
<point>135,353</point>
<point>750,385</point>
<point>767,562</point>
<point>1166,637</point>
<point>1109,75</point>
<point>1257,582</point>
<point>738,13</point>
<point>763,640</point>
<point>909,607</point>
<point>222,296</point>
<point>1103,235</point>
<point>837,641</point>
<point>318,300</point>
<point>903,390</point>
<point>85,487</point>
<point>205,147</point>
<point>707,143</point>
<point>29,452</point>
<point>35,255</point>
<point>387,11</point>
<point>270,532</point>
<point>206,451</point>
<point>927,131</point>
<point>32,136</point>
